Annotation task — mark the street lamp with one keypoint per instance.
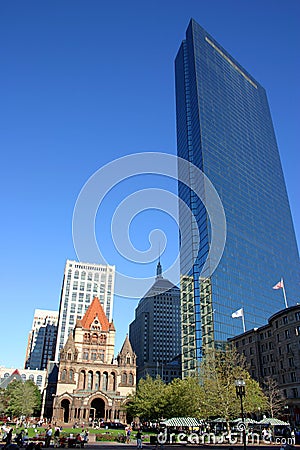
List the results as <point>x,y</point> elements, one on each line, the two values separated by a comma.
<point>240,393</point>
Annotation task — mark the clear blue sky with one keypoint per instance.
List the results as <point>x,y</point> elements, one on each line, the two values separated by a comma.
<point>85,82</point>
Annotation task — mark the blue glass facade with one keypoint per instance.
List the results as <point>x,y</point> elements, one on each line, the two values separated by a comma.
<point>224,127</point>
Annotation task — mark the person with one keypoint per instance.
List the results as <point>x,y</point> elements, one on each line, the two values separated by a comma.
<point>48,436</point>
<point>38,446</point>
<point>30,446</point>
<point>139,439</point>
<point>56,437</point>
<point>79,440</point>
<point>269,436</point>
<point>8,438</point>
<point>128,433</point>
<point>293,436</point>
<point>264,434</point>
<point>83,438</point>
<point>20,438</point>
<point>86,436</point>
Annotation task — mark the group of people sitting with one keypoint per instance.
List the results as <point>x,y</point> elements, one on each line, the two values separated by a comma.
<point>54,435</point>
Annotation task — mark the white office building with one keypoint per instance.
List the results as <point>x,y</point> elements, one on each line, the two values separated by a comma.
<point>7,375</point>
<point>82,282</point>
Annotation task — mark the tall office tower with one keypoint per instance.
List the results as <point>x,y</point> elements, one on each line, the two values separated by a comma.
<point>41,339</point>
<point>155,332</point>
<point>81,283</point>
<point>224,128</point>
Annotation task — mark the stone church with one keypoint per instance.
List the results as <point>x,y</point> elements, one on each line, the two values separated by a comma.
<point>92,383</point>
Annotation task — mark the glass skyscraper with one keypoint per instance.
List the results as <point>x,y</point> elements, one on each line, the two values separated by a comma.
<point>224,127</point>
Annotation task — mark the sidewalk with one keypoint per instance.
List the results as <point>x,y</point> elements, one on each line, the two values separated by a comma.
<point>147,446</point>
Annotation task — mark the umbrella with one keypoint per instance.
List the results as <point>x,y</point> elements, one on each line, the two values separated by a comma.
<point>182,422</point>
<point>272,421</point>
<point>247,420</point>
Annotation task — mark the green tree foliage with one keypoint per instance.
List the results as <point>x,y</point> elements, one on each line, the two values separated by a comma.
<point>23,398</point>
<point>3,401</point>
<point>213,394</point>
<point>219,371</point>
<point>183,398</point>
<point>149,401</point>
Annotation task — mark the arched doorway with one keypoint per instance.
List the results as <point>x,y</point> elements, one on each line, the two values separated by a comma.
<point>98,409</point>
<point>65,404</point>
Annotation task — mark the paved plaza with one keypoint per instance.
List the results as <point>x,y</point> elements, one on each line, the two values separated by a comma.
<point>131,446</point>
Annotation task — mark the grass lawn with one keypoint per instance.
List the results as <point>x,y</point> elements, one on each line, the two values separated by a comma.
<point>101,434</point>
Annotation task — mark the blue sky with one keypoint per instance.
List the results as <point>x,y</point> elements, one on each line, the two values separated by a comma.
<point>85,82</point>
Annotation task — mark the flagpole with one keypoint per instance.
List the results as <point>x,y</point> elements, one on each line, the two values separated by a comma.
<point>243,319</point>
<point>284,294</point>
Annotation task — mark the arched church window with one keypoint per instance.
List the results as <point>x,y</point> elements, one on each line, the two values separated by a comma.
<point>105,381</point>
<point>124,378</point>
<point>97,380</point>
<point>90,380</point>
<point>113,381</point>
<point>102,339</point>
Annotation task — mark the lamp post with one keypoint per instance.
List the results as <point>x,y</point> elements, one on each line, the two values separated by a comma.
<point>240,393</point>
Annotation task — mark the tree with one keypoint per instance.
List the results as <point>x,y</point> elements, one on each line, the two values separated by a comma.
<point>149,401</point>
<point>23,398</point>
<point>183,398</point>
<point>209,395</point>
<point>155,400</point>
<point>219,370</point>
<point>275,397</point>
<point>3,401</point>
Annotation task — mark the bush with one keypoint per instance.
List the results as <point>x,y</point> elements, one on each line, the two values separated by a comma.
<point>105,437</point>
<point>121,438</point>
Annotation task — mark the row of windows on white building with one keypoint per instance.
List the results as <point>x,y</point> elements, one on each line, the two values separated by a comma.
<point>38,380</point>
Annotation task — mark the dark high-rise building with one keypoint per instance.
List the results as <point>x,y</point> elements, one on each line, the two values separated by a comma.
<point>155,332</point>
<point>224,128</point>
<point>41,339</point>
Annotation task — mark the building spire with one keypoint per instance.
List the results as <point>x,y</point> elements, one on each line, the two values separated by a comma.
<point>159,269</point>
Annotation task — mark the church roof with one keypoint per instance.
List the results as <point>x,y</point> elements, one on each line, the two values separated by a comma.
<point>70,342</point>
<point>94,311</point>
<point>112,326</point>
<point>126,347</point>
